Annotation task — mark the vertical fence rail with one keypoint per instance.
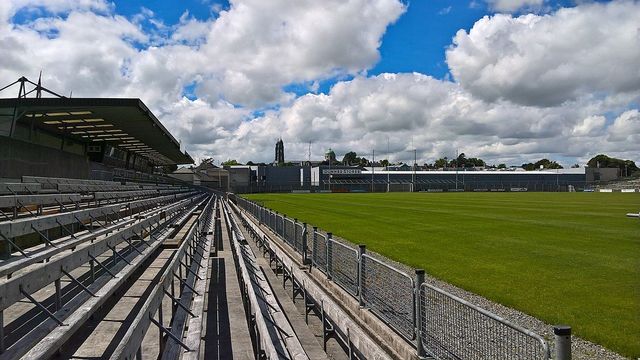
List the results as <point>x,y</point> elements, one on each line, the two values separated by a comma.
<point>437,323</point>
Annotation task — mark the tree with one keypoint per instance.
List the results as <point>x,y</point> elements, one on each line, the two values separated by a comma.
<point>543,163</point>
<point>231,162</point>
<point>350,158</point>
<point>384,162</point>
<point>575,166</point>
<point>627,167</point>
<point>440,163</point>
<point>471,162</point>
<point>502,166</point>
<point>364,162</point>
<point>461,161</point>
<point>548,164</point>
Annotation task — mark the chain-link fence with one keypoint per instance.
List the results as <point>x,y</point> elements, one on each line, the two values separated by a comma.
<point>319,251</point>
<point>445,326</point>
<point>279,228</point>
<point>342,265</point>
<point>455,329</point>
<point>389,293</point>
<point>288,231</point>
<point>300,237</point>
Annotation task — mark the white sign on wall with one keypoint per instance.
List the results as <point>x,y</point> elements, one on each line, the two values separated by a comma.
<point>342,171</point>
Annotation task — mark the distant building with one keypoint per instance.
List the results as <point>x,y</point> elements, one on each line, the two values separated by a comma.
<point>279,153</point>
<point>595,175</point>
<point>330,155</point>
<point>205,174</point>
<point>399,167</point>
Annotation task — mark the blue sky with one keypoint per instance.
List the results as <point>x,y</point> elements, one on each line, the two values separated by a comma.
<point>505,80</point>
<point>414,43</point>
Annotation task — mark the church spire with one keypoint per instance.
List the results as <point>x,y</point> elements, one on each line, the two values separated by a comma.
<point>279,159</point>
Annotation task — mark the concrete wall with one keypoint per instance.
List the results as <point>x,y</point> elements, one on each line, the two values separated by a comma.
<point>602,174</point>
<point>239,178</point>
<point>18,158</point>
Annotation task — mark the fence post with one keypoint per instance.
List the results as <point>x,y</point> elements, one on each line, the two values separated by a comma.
<point>282,228</point>
<point>563,341</point>
<point>417,318</point>
<point>284,220</point>
<point>328,263</point>
<point>361,251</point>
<point>314,246</point>
<point>305,242</point>
<point>295,234</point>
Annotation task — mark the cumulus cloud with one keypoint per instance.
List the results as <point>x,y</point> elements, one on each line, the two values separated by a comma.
<point>257,46</point>
<point>437,118</point>
<point>85,52</point>
<point>547,60</point>
<point>626,128</point>
<point>525,87</point>
<point>245,56</point>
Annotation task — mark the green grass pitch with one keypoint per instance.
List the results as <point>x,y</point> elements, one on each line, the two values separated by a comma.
<point>570,258</point>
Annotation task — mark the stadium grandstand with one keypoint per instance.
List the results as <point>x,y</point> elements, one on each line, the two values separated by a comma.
<point>83,138</point>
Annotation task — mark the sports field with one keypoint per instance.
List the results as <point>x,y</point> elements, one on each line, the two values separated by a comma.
<point>569,258</point>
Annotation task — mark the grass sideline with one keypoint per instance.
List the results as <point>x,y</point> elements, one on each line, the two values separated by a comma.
<point>570,258</point>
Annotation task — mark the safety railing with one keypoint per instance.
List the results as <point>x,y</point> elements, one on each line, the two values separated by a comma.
<point>435,322</point>
<point>342,266</point>
<point>319,250</point>
<point>288,230</point>
<point>389,293</point>
<point>452,328</point>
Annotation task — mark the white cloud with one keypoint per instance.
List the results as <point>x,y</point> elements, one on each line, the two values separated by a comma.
<point>444,11</point>
<point>589,126</point>
<point>439,117</point>
<point>514,5</point>
<point>546,60</point>
<point>257,46</point>
<point>521,92</point>
<point>246,55</point>
<point>84,52</point>
<point>626,129</point>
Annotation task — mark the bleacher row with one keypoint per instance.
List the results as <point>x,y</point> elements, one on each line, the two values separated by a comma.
<point>92,238</point>
<point>34,206</point>
<point>39,195</point>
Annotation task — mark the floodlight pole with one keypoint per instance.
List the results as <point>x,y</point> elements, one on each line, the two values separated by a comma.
<point>457,169</point>
<point>415,163</point>
<point>388,182</point>
<point>373,160</point>
<point>329,169</point>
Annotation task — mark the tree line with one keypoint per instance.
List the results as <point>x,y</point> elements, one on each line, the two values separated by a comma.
<point>351,158</point>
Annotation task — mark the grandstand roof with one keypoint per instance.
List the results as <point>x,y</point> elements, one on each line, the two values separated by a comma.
<point>124,123</point>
